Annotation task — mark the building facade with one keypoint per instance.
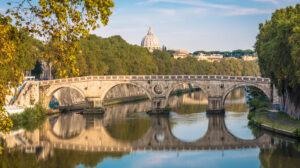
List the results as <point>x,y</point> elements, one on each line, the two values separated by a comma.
<point>209,57</point>
<point>249,58</point>
<point>180,54</point>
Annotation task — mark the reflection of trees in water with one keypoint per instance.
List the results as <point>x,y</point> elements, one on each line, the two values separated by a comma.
<point>196,97</point>
<point>283,155</point>
<point>237,107</point>
<point>189,103</point>
<point>189,109</point>
<point>128,129</point>
<point>123,110</point>
<point>236,101</point>
<point>60,158</point>
<point>237,93</point>
<point>185,104</point>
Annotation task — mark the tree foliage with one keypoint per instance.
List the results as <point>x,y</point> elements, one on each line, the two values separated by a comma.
<point>59,158</point>
<point>9,70</point>
<point>62,22</point>
<point>278,48</point>
<point>114,56</point>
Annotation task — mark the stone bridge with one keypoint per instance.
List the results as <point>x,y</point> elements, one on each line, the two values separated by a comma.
<point>157,88</point>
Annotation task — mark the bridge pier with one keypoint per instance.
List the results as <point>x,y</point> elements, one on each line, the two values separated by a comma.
<point>94,102</point>
<point>159,106</point>
<point>215,105</point>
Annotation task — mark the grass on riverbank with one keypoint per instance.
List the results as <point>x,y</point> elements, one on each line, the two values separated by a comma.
<point>259,114</point>
<point>278,120</point>
<point>30,118</point>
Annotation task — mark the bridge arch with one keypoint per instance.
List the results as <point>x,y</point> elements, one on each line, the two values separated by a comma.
<point>216,136</point>
<point>96,136</point>
<point>188,126</point>
<point>265,90</point>
<point>177,85</point>
<point>54,89</point>
<point>60,125</point>
<point>105,92</point>
<point>127,130</point>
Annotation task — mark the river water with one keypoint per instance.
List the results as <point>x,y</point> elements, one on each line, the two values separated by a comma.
<point>126,136</point>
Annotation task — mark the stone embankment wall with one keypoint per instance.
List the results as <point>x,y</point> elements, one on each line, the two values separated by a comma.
<point>125,90</point>
<point>67,96</point>
<point>291,107</point>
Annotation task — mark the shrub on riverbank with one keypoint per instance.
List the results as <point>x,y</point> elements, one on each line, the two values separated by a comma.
<point>259,99</point>
<point>259,102</point>
<point>250,115</point>
<point>297,132</point>
<point>30,119</point>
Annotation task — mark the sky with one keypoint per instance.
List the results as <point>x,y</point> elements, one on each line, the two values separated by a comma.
<point>223,25</point>
<point>192,24</point>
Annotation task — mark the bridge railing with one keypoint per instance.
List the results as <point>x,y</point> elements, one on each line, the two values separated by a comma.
<point>157,77</point>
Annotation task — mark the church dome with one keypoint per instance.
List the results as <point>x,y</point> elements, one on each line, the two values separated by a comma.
<point>150,41</point>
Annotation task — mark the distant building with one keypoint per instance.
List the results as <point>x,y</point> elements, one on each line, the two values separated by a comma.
<point>180,54</point>
<point>150,41</point>
<point>201,56</point>
<point>209,57</point>
<point>249,58</point>
<point>228,58</point>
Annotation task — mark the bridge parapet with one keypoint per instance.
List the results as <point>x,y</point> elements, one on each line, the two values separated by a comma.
<point>157,77</point>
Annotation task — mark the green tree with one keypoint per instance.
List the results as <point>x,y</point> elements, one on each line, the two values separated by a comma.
<point>278,48</point>
<point>62,22</point>
<point>37,71</point>
<point>164,62</point>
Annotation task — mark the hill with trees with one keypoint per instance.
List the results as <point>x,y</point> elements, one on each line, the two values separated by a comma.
<point>114,56</point>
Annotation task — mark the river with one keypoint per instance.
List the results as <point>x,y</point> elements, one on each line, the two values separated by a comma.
<point>126,136</point>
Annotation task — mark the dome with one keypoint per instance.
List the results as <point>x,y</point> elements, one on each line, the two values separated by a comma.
<point>150,41</point>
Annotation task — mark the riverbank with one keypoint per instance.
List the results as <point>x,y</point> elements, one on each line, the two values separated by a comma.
<point>30,118</point>
<point>277,122</point>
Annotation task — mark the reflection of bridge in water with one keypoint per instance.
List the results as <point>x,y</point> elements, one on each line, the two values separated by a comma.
<point>89,133</point>
<point>217,137</point>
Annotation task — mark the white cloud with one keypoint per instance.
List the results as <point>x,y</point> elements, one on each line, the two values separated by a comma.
<point>226,10</point>
<point>167,12</point>
<point>197,11</point>
<point>275,2</point>
<point>195,3</point>
<point>181,12</point>
<point>247,11</point>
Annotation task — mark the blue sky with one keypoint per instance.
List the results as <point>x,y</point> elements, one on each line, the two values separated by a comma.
<point>192,24</point>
